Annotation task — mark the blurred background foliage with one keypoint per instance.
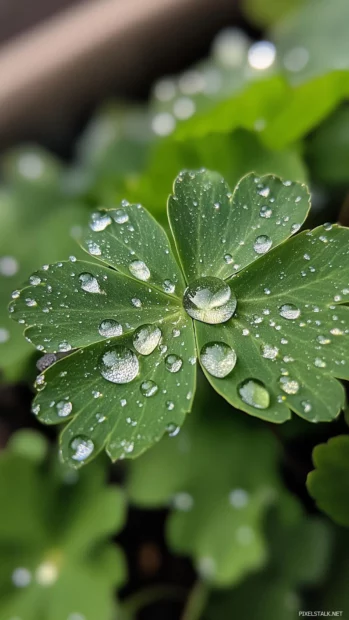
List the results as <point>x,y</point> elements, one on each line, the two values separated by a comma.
<point>223,504</point>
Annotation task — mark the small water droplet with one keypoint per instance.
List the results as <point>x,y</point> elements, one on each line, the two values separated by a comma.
<point>172,429</point>
<point>64,408</point>
<point>136,302</point>
<point>228,259</point>
<point>218,359</point>
<point>238,498</point>
<point>34,280</point>
<point>269,352</point>
<point>173,363</point>
<point>210,300</point>
<point>148,388</point>
<point>89,283</point>
<point>120,216</point>
<point>146,338</point>
<point>319,363</point>
<point>119,365</point>
<point>139,270</point>
<point>254,393</point>
<point>306,406</point>
<point>183,501</point>
<point>64,346</point>
<point>93,248</point>
<point>323,340</point>
<point>30,302</point>
<point>288,385</point>
<point>289,311</point>
<point>266,212</point>
<point>109,328</point>
<point>168,286</point>
<point>99,221</point>
<point>262,244</point>
<point>81,448</point>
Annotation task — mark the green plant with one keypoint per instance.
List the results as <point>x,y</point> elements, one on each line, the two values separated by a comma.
<point>137,324</point>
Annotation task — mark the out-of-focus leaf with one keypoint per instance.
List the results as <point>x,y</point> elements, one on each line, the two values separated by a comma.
<point>313,40</point>
<point>299,553</point>
<point>328,150</point>
<point>280,112</point>
<point>217,517</point>
<point>55,559</point>
<point>329,482</point>
<point>264,14</point>
<point>35,224</point>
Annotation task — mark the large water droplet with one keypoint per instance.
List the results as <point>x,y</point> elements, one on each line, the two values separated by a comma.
<point>173,363</point>
<point>253,392</point>
<point>89,283</point>
<point>119,365</point>
<point>64,408</point>
<point>210,300</point>
<point>109,328</point>
<point>289,311</point>
<point>99,221</point>
<point>139,270</point>
<point>81,448</point>
<point>218,358</point>
<point>288,385</point>
<point>149,388</point>
<point>146,338</point>
<point>262,244</point>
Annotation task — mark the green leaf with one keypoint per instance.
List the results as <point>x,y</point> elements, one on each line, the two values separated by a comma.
<point>39,218</point>
<point>313,39</point>
<point>227,230</point>
<point>80,304</point>
<point>264,14</point>
<point>217,520</point>
<point>281,113</point>
<point>298,556</point>
<point>56,558</point>
<point>328,484</point>
<point>289,331</point>
<point>272,336</point>
<point>328,150</point>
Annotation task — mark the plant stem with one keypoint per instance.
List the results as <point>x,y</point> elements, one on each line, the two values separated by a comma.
<point>196,602</point>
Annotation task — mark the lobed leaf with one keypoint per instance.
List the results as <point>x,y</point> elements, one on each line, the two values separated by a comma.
<point>328,484</point>
<point>218,233</point>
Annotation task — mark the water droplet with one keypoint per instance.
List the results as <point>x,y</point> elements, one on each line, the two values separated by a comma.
<point>146,338</point>
<point>64,408</point>
<point>139,270</point>
<point>89,283</point>
<point>319,363</point>
<point>306,406</point>
<point>289,311</point>
<point>99,221</point>
<point>46,573</point>
<point>238,498</point>
<point>34,280</point>
<point>8,266</point>
<point>136,302</point>
<point>266,212</point>
<point>218,358</point>
<point>336,331</point>
<point>228,259</point>
<point>21,577</point>
<point>81,448</point>
<point>323,340</point>
<point>173,363</point>
<point>30,302</point>
<point>148,388</point>
<point>210,300</point>
<point>4,334</point>
<point>170,406</point>
<point>168,286</point>
<point>288,385</point>
<point>262,244</point>
<point>172,429</point>
<point>119,365</point>
<point>183,501</point>
<point>64,346</point>
<point>93,248</point>
<point>269,352</point>
<point>253,392</point>
<point>109,328</point>
<point>120,216</point>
